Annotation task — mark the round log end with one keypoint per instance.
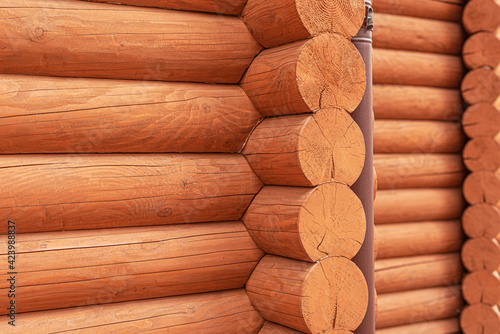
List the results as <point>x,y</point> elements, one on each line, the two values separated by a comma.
<point>331,73</point>
<point>480,319</point>
<point>482,153</point>
<point>481,119</point>
<point>480,85</point>
<point>482,187</point>
<point>481,49</point>
<point>481,220</point>
<point>481,254</point>
<point>482,287</point>
<point>335,296</point>
<point>480,15</point>
<point>343,17</point>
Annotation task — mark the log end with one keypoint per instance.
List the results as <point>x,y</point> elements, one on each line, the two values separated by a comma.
<point>482,153</point>
<point>480,319</point>
<point>481,49</point>
<point>480,85</point>
<point>482,186</point>
<point>481,119</point>
<point>481,220</point>
<point>482,287</point>
<point>481,254</point>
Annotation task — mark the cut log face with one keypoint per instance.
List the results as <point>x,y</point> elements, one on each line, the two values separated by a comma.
<point>481,15</point>
<point>305,150</point>
<point>323,72</point>
<point>129,264</point>
<point>481,119</point>
<point>309,297</point>
<point>419,103</point>
<point>275,23</point>
<point>482,287</point>
<point>217,312</point>
<point>480,85</point>
<point>231,7</point>
<point>105,41</point>
<point>446,326</point>
<point>422,238</point>
<point>482,187</point>
<point>89,115</point>
<point>482,153</point>
<point>307,224</point>
<point>480,319</point>
<point>417,34</point>
<point>68,192</point>
<point>482,49</point>
<point>481,254</point>
<point>450,10</point>
<point>481,220</point>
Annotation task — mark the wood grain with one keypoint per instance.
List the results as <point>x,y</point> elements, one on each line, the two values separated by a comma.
<point>450,10</point>
<point>481,220</point>
<point>482,287</point>
<point>481,254</point>
<point>480,319</point>
<point>482,49</point>
<point>481,120</point>
<point>481,15</point>
<point>480,85</point>
<point>446,326</point>
<point>482,154</point>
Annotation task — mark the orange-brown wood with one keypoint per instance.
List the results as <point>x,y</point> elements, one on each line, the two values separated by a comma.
<point>275,23</point>
<point>82,39</point>
<point>481,254</point>
<point>417,272</point>
<point>419,170</point>
<point>405,205</point>
<point>79,268</point>
<point>480,85</point>
<point>482,49</point>
<point>272,328</point>
<point>419,68</point>
<point>481,220</point>
<point>482,153</point>
<point>417,34</point>
<point>91,115</point>
<point>480,319</point>
<point>446,326</point>
<point>306,76</point>
<point>450,10</point>
<point>401,136</point>
<point>309,297</point>
<point>482,187</point>
<point>67,192</point>
<point>421,238</point>
<point>307,224</point>
<point>413,102</point>
<point>216,312</point>
<point>401,308</point>
<point>231,7</point>
<point>481,119</point>
<point>482,287</point>
<point>481,15</point>
<point>305,150</point>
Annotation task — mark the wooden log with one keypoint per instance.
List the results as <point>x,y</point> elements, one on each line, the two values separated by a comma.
<point>128,264</point>
<point>306,76</point>
<point>68,192</point>
<point>401,308</point>
<point>417,272</point>
<point>481,254</point>
<point>230,7</point>
<point>419,170</point>
<point>397,67</point>
<point>404,205</point>
<point>275,23</point>
<point>481,119</point>
<point>482,187</point>
<point>89,115</point>
<point>482,287</point>
<point>430,9</point>
<point>422,238</point>
<point>99,41</point>
<point>305,150</point>
<point>309,297</point>
<point>216,312</point>
<point>482,49</point>
<point>413,102</point>
<point>375,183</point>
<point>482,153</point>
<point>400,136</point>
<point>446,326</point>
<point>307,224</point>
<point>417,34</point>
<point>481,220</point>
<point>375,243</point>
<point>480,319</point>
<point>481,15</point>
<point>272,328</point>
<point>480,85</point>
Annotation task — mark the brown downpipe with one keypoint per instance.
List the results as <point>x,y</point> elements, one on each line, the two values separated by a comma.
<point>363,187</point>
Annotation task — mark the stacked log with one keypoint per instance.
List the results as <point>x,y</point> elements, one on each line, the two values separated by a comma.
<point>417,144</point>
<point>481,223</point>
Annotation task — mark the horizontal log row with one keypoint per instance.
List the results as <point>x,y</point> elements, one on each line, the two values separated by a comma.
<point>430,9</point>
<point>216,312</point>
<point>77,268</point>
<point>446,326</point>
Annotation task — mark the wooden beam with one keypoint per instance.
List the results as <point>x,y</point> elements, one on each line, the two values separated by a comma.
<point>446,326</point>
<point>437,10</point>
